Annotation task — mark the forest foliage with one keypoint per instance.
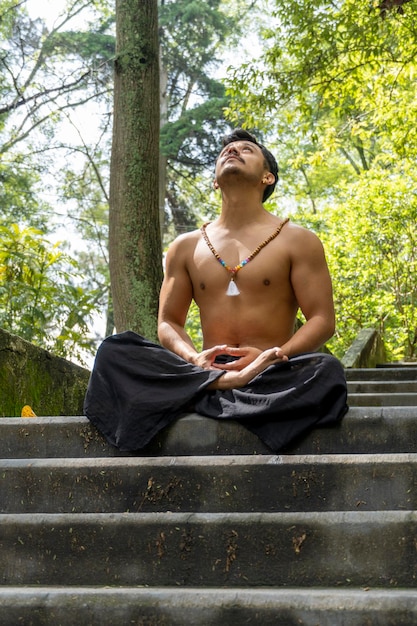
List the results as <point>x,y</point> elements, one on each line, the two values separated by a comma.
<point>330,90</point>
<point>335,88</point>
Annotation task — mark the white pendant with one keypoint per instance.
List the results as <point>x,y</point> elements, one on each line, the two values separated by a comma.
<point>232,289</point>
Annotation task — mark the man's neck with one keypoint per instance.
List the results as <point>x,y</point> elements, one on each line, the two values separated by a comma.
<point>239,209</point>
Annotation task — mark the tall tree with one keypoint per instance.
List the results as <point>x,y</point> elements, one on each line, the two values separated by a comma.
<point>51,71</point>
<point>134,233</point>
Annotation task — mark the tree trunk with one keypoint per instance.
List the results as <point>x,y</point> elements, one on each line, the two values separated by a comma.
<point>162,158</point>
<point>135,253</point>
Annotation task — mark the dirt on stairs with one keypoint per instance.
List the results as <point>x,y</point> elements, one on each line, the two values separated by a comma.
<point>206,527</point>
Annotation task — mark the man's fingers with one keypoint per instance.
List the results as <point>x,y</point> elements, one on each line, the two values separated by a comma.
<point>234,365</point>
<point>279,354</point>
<point>217,350</point>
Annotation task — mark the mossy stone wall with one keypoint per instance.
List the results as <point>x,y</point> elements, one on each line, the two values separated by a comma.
<point>367,350</point>
<point>30,375</point>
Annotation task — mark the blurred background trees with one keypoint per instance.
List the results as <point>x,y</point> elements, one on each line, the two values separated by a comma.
<point>329,86</point>
<point>334,89</point>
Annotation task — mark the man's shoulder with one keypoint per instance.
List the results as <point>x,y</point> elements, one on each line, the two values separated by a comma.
<point>301,233</point>
<point>186,238</point>
<point>302,243</point>
<point>183,243</point>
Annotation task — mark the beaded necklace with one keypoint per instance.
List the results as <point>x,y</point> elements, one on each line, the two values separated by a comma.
<point>233,289</point>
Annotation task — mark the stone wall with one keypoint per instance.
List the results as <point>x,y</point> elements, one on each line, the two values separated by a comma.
<point>30,375</point>
<point>366,351</point>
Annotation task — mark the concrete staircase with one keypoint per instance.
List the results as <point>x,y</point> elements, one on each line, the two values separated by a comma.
<point>207,528</point>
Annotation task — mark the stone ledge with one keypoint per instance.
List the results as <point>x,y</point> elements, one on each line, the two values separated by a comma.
<point>366,351</point>
<point>30,375</point>
<point>98,606</point>
<point>363,430</point>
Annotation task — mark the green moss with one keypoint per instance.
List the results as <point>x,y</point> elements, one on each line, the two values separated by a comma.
<point>29,375</point>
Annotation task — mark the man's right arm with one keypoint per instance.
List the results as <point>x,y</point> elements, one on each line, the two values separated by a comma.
<point>174,302</point>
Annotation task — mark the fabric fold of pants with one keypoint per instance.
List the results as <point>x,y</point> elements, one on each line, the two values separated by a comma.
<point>137,387</point>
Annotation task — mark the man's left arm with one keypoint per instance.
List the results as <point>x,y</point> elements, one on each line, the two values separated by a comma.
<point>312,286</point>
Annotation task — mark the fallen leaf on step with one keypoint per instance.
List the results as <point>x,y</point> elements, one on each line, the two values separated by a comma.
<point>27,411</point>
<point>297,542</point>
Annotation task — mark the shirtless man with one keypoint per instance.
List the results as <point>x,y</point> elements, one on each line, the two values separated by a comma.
<point>290,272</point>
<point>249,272</point>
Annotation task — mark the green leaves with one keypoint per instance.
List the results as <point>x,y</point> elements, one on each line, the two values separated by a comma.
<point>371,247</point>
<point>335,89</point>
<point>40,299</point>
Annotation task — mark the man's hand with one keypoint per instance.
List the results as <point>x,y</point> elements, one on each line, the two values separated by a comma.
<point>246,356</point>
<point>206,358</point>
<point>234,379</point>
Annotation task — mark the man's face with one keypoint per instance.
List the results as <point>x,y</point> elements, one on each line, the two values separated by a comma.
<point>241,157</point>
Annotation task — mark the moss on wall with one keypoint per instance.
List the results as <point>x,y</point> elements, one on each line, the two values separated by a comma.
<point>367,350</point>
<point>30,375</point>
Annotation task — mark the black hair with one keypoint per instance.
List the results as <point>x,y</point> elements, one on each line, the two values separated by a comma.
<point>239,134</point>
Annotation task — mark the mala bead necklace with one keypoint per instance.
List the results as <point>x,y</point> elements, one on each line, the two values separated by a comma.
<point>233,289</point>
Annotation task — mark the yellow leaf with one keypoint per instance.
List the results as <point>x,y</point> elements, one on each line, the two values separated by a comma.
<point>27,411</point>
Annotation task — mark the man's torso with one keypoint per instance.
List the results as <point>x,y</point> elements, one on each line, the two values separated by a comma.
<point>263,313</point>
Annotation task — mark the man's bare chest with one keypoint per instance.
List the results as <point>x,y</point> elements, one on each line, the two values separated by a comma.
<point>264,274</point>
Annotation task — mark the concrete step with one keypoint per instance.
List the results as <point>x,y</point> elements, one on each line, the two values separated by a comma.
<point>383,399</point>
<point>210,484</point>
<point>330,549</point>
<point>382,373</point>
<point>382,386</point>
<point>363,430</point>
<point>76,437</point>
<point>207,527</point>
<point>96,606</point>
